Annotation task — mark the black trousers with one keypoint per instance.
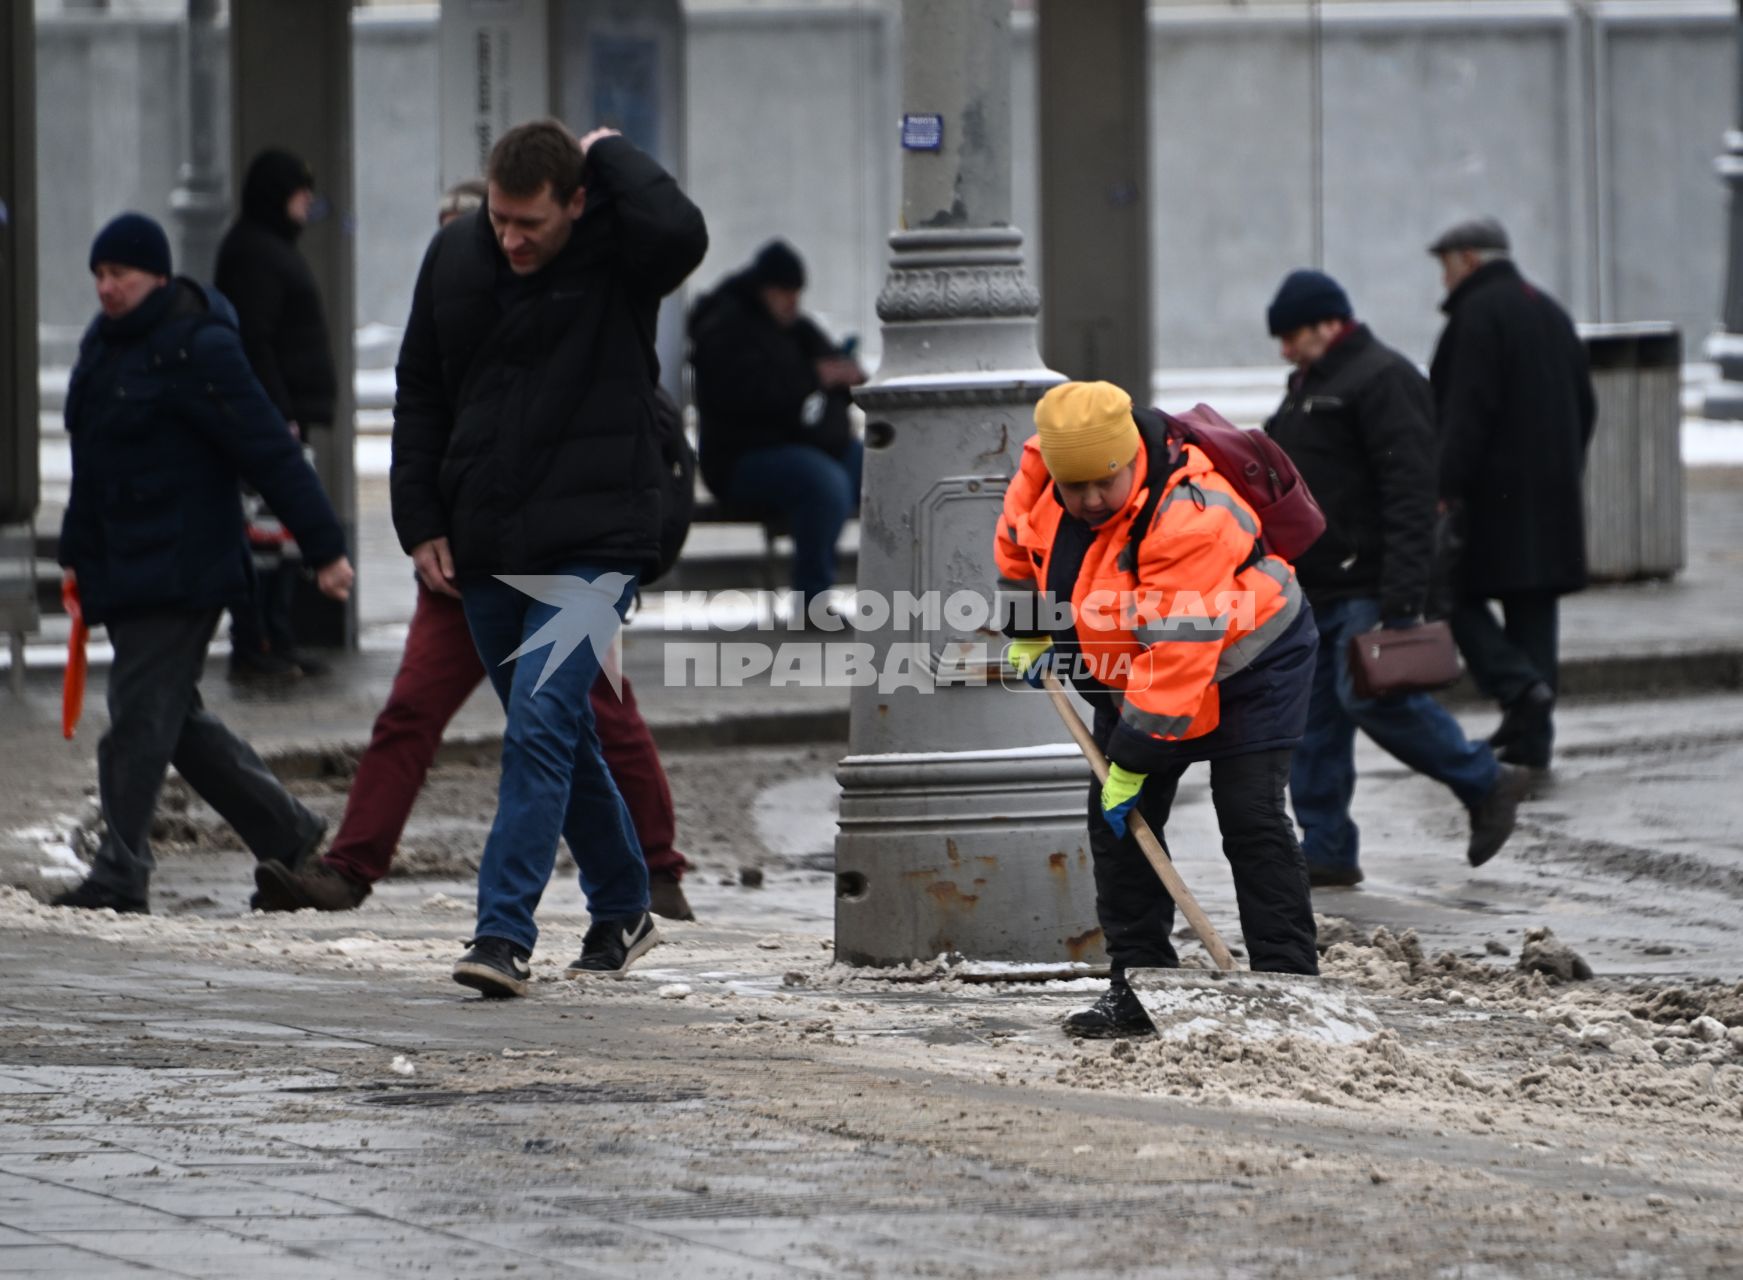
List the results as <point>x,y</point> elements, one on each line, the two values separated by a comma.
<point>1137,913</point>
<point>156,719</point>
<point>1507,656</point>
<point>263,625</point>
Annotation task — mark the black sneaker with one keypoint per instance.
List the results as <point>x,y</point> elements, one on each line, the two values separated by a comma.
<point>91,896</point>
<point>1492,821</point>
<point>496,967</point>
<point>1115,1016</point>
<point>611,946</point>
<point>1333,877</point>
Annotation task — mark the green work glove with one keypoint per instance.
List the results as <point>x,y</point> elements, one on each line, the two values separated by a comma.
<point>1118,794</point>
<point>1026,656</point>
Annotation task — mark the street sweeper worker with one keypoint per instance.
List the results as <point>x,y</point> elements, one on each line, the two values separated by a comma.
<point>1190,643</point>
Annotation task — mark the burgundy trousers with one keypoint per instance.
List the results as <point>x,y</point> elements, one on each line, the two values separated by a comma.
<point>438,673</point>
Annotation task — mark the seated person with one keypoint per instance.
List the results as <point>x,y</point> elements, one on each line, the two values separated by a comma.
<point>772,392</point>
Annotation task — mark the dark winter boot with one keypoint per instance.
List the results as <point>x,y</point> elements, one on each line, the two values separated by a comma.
<point>1492,821</point>
<point>1527,733</point>
<point>1115,1016</point>
<point>91,896</point>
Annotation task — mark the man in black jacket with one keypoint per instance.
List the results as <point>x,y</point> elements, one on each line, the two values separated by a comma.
<point>524,444</point>
<point>284,331</point>
<point>1356,421</point>
<point>772,392</point>
<point>1516,408</point>
<point>165,418</point>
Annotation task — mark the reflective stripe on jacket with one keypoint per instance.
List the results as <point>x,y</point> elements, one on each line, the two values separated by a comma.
<point>1165,630</point>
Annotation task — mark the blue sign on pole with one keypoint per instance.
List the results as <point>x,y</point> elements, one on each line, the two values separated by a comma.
<point>922,132</point>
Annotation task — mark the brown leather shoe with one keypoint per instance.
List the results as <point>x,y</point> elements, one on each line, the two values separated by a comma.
<point>315,885</point>
<point>666,898</point>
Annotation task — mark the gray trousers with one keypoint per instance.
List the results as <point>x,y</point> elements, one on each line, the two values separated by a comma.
<point>156,719</point>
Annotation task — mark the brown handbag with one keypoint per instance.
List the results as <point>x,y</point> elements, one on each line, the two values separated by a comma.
<point>1405,660</point>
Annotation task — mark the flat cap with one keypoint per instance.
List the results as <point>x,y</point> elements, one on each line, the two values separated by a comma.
<point>1477,233</point>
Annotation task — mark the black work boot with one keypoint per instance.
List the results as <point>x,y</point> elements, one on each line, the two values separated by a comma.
<point>91,896</point>
<point>1115,1016</point>
<point>1526,732</point>
<point>1492,820</point>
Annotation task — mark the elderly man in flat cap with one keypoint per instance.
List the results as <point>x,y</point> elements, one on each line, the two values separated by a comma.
<point>1515,407</point>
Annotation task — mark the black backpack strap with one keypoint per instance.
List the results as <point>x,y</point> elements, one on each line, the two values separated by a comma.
<point>1155,428</point>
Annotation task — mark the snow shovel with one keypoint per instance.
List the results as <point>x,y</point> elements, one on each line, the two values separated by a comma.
<point>1181,1003</point>
<point>1147,840</point>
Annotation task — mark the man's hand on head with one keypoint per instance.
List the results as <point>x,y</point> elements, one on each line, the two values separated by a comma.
<point>588,139</point>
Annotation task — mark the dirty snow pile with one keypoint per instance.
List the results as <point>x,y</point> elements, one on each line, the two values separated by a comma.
<point>1464,1032</point>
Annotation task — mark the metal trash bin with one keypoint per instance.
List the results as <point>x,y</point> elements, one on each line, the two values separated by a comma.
<point>1635,509</point>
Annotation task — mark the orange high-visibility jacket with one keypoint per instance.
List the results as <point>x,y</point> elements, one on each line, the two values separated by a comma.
<point>1162,627</point>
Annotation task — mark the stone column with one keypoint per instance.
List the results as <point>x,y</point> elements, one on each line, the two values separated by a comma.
<point>1094,101</point>
<point>1726,346</point>
<point>201,198</point>
<point>20,482</point>
<point>963,806</point>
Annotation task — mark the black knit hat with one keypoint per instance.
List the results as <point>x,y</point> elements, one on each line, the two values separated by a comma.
<point>133,240</point>
<point>1304,298</point>
<point>779,265</point>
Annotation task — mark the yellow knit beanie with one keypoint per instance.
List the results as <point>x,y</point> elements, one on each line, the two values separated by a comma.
<point>1086,431</point>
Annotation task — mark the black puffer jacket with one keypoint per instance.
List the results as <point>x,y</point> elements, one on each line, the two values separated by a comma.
<point>1516,410</point>
<point>165,418</point>
<point>527,437</point>
<point>1358,424</point>
<point>284,328</point>
<point>753,379</point>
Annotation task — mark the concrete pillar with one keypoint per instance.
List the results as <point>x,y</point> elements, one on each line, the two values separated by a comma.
<point>1095,207</point>
<point>20,482</point>
<point>620,63</point>
<point>291,83</point>
<point>1726,347</point>
<point>201,199</point>
<point>950,840</point>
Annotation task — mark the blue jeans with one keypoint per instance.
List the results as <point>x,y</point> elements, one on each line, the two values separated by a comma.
<point>814,492</point>
<point>554,779</point>
<point>1413,727</point>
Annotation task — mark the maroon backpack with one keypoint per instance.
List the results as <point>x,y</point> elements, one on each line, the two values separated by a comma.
<point>1255,466</point>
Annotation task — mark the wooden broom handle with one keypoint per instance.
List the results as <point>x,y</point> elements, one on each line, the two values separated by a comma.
<point>1147,840</point>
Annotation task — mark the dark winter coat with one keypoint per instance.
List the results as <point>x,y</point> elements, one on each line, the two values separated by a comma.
<point>526,436</point>
<point>753,379</point>
<point>1516,412</point>
<point>165,419</point>
<point>1358,425</point>
<point>284,328</point>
